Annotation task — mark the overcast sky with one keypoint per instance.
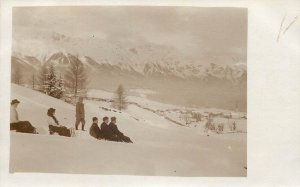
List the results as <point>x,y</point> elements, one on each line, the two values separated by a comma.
<point>220,32</point>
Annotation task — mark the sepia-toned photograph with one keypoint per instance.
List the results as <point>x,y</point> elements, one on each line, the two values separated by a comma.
<point>129,90</point>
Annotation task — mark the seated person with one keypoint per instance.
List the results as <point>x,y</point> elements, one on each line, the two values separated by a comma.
<point>113,126</point>
<point>55,127</point>
<point>95,130</point>
<point>16,124</point>
<point>107,132</point>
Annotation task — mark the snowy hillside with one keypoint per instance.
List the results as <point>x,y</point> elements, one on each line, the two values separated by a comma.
<point>139,101</point>
<point>159,148</point>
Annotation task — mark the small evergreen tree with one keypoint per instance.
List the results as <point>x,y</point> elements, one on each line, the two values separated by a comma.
<point>59,88</point>
<point>53,86</point>
<point>17,75</point>
<point>33,81</point>
<point>119,101</point>
<point>42,75</point>
<point>50,81</point>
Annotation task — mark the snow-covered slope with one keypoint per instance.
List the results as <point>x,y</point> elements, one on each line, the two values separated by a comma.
<point>161,149</point>
<point>141,107</point>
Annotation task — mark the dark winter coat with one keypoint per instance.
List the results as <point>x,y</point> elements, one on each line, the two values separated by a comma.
<point>107,133</point>
<point>61,130</point>
<point>95,131</point>
<point>120,135</point>
<point>113,127</point>
<point>79,110</point>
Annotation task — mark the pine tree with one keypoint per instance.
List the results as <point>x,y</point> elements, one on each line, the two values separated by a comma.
<point>52,85</point>
<point>42,76</point>
<point>17,75</point>
<point>33,81</point>
<point>50,81</point>
<point>75,76</point>
<point>120,101</point>
<point>59,88</point>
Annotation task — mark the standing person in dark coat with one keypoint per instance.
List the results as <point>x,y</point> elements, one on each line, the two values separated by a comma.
<point>95,130</point>
<point>113,126</point>
<point>16,124</point>
<point>80,116</point>
<point>107,133</point>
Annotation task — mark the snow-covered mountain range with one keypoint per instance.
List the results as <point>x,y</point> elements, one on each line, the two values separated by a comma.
<point>164,68</point>
<point>138,64</point>
<point>140,58</point>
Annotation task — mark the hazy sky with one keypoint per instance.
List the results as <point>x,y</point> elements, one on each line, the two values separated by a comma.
<point>209,32</point>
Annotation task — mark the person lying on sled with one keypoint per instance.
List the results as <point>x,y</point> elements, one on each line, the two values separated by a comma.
<point>16,124</point>
<point>55,127</point>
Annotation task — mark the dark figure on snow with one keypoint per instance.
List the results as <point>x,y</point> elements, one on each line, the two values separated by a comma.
<point>234,126</point>
<point>95,130</point>
<point>80,114</point>
<point>55,127</point>
<point>107,133</point>
<point>16,124</point>
<point>113,126</point>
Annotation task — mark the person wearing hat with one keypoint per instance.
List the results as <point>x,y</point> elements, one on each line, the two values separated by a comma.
<point>107,133</point>
<point>113,126</point>
<point>55,127</point>
<point>95,130</point>
<point>80,116</point>
<point>15,123</point>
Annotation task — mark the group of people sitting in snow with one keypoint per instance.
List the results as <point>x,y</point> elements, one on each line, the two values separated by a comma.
<point>107,131</point>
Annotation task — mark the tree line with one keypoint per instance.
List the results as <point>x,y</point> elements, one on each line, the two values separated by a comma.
<point>74,79</point>
<point>52,83</point>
